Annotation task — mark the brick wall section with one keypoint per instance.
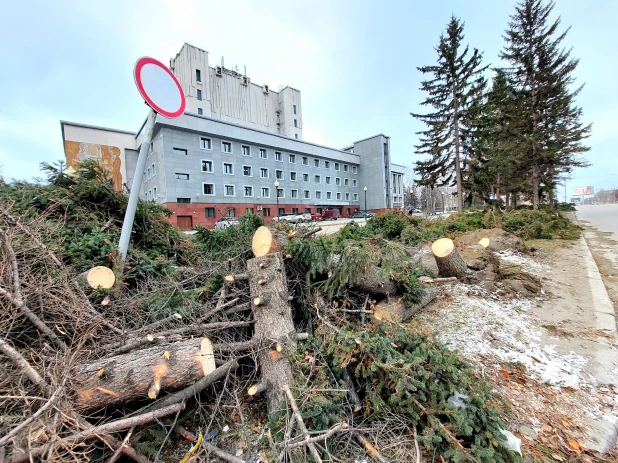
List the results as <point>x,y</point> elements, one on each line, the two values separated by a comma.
<point>197,211</point>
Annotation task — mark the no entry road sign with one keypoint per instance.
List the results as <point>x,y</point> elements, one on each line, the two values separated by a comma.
<point>159,87</point>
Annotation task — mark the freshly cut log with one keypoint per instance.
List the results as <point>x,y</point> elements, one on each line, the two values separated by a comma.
<point>377,282</point>
<point>273,323</point>
<point>100,277</point>
<point>266,241</point>
<point>142,373</point>
<point>484,242</point>
<point>398,310</point>
<point>450,263</point>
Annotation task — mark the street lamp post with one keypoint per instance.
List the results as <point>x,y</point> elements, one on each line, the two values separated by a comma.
<point>365,198</point>
<point>277,195</point>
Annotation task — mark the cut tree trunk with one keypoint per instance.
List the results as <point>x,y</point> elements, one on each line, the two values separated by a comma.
<point>143,373</point>
<point>273,323</point>
<point>99,277</point>
<point>450,263</point>
<point>400,311</point>
<point>266,241</point>
<point>377,282</point>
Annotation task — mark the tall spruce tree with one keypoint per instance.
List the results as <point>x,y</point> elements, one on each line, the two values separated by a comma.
<point>541,71</point>
<point>456,83</point>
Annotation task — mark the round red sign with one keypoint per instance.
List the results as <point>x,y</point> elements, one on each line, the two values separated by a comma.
<point>159,87</point>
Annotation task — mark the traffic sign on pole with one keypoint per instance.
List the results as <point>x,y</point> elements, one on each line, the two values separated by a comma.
<point>159,87</point>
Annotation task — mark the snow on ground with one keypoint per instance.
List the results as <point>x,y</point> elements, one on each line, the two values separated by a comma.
<point>478,322</point>
<point>509,256</point>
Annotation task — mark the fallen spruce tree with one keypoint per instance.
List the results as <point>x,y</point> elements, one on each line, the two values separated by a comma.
<point>290,340</point>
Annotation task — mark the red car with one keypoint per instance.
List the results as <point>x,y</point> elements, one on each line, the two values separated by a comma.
<point>316,216</point>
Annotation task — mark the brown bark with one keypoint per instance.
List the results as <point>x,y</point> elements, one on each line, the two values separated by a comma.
<point>450,263</point>
<point>377,281</point>
<point>132,376</point>
<point>399,310</point>
<point>273,323</point>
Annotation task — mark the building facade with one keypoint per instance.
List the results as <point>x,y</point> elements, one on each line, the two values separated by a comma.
<point>244,154</point>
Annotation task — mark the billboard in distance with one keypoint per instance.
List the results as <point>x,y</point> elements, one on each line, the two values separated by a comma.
<point>582,191</point>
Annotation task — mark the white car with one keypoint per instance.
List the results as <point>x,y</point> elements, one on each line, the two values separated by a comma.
<point>226,222</point>
<point>293,218</point>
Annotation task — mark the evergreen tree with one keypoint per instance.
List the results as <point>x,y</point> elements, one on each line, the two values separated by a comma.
<point>541,72</point>
<point>456,83</point>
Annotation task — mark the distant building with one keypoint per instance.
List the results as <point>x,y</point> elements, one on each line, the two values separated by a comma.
<point>235,140</point>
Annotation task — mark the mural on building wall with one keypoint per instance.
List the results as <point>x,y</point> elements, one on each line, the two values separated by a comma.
<point>108,157</point>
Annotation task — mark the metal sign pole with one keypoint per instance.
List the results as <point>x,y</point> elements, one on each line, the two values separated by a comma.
<point>129,216</point>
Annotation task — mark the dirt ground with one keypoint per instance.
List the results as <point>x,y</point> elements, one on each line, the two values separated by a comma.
<point>554,358</point>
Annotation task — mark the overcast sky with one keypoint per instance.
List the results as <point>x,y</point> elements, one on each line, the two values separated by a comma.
<point>354,62</point>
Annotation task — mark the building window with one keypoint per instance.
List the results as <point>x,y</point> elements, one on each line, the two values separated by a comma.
<point>179,151</point>
<point>183,200</point>
<point>293,176</point>
<point>305,177</point>
<point>338,195</point>
<point>346,182</point>
<point>200,111</point>
<point>266,211</point>
<point>354,183</point>
<point>228,168</point>
<point>307,194</point>
<point>181,176</point>
<point>229,190</point>
<point>318,210</point>
<point>318,195</point>
<point>263,173</point>
<point>316,163</point>
<point>296,136</point>
<point>151,149</point>
<point>327,164</point>
<point>294,194</point>
<point>246,171</point>
<point>210,212</point>
<point>249,210</point>
<point>295,123</point>
<point>263,153</point>
<point>294,106</point>
<point>347,196</point>
<point>209,189</point>
<point>329,195</point>
<point>354,169</point>
<point>279,174</point>
<point>198,75</point>
<point>231,212</point>
<point>337,181</point>
<point>205,143</point>
<point>336,166</point>
<point>206,166</point>
<point>281,210</point>
<point>199,94</point>
<point>317,179</point>
<point>349,210</point>
<point>248,191</point>
<point>292,158</point>
<point>305,161</point>
<point>280,193</point>
<point>226,146</point>
<point>294,210</point>
<point>154,193</point>
<point>265,192</point>
<point>246,150</point>
<point>345,167</point>
<point>278,156</point>
<point>328,180</point>
<point>148,174</point>
<point>308,210</point>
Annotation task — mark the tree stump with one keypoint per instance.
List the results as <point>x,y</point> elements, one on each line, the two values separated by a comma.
<point>99,277</point>
<point>274,335</point>
<point>450,263</point>
<point>266,241</point>
<point>142,373</point>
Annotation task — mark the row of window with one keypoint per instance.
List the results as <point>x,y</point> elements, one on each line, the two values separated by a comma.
<point>227,147</point>
<point>247,171</point>
<point>210,212</point>
<point>248,192</point>
<point>151,194</point>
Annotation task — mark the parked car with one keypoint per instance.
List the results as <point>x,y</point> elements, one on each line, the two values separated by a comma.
<point>317,217</point>
<point>362,215</point>
<point>226,222</point>
<point>293,218</point>
<point>331,214</point>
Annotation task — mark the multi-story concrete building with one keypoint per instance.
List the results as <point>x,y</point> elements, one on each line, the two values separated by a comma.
<point>238,148</point>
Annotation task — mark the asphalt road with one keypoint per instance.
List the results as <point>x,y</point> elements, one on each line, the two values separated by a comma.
<point>603,217</point>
